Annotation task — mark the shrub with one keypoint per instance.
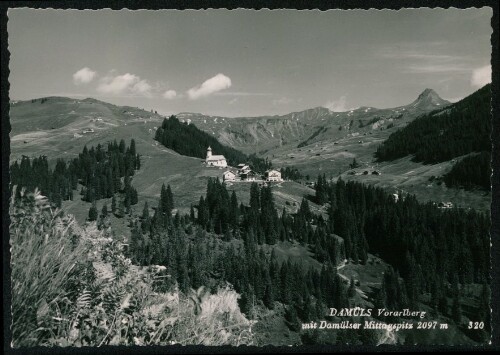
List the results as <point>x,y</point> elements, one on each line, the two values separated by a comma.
<point>73,286</point>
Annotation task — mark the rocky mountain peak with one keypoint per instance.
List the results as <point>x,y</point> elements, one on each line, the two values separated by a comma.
<point>427,99</point>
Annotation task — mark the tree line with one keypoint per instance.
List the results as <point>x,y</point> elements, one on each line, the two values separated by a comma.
<point>187,139</point>
<point>291,173</point>
<point>428,247</point>
<point>101,171</point>
<point>223,241</point>
<point>471,172</point>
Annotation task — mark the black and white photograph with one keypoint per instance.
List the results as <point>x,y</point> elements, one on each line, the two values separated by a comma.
<point>249,177</point>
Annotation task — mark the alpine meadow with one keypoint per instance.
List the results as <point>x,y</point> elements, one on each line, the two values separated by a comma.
<point>272,177</point>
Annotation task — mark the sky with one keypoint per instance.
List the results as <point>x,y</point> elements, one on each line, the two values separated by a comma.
<point>247,62</point>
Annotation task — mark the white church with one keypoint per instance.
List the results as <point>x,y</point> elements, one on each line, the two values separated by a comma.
<point>215,160</point>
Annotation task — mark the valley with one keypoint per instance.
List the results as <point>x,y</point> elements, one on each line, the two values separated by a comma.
<point>315,141</point>
<point>319,141</point>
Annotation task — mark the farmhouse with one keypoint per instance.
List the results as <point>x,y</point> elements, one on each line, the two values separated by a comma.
<point>248,176</point>
<point>243,168</point>
<point>273,175</point>
<point>215,160</point>
<point>445,205</point>
<point>228,176</point>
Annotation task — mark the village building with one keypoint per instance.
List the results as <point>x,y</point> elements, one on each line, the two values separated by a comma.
<point>273,175</point>
<point>248,176</point>
<point>243,168</point>
<point>445,205</point>
<point>215,160</point>
<point>229,176</point>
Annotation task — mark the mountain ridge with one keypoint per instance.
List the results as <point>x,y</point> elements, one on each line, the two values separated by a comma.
<point>427,95</point>
<point>266,133</point>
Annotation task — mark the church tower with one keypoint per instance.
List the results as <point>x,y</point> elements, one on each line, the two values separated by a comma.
<point>209,152</point>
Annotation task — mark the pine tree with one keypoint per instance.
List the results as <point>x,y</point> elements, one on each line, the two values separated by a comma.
<point>234,211</point>
<point>113,204</point>
<point>122,146</point>
<point>104,211</point>
<point>352,288</point>
<point>93,214</point>
<point>132,147</point>
<point>170,200</point>
<point>269,296</point>
<point>191,213</point>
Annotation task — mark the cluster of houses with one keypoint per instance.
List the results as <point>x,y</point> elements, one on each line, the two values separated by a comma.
<point>243,172</point>
<point>445,205</point>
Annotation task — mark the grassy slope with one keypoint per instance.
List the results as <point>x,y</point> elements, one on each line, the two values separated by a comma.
<point>401,174</point>
<point>187,176</point>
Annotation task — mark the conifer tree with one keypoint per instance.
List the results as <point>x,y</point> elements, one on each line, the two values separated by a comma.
<point>93,214</point>
<point>352,288</point>
<point>191,213</point>
<point>113,204</point>
<point>104,211</point>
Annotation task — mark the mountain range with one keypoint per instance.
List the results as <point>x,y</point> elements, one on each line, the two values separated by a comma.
<point>266,134</point>
<point>316,141</point>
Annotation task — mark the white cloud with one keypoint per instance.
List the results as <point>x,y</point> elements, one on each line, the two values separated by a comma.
<point>210,86</point>
<point>481,76</point>
<point>84,76</point>
<point>170,94</point>
<point>337,105</point>
<point>118,84</point>
<point>124,84</point>
<point>142,88</point>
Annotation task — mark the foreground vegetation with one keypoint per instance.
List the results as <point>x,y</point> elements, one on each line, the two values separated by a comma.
<point>73,286</point>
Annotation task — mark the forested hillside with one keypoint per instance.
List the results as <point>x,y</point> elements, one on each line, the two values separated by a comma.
<point>181,243</point>
<point>101,171</point>
<point>409,235</point>
<point>187,139</point>
<point>459,129</point>
<point>432,251</point>
<point>471,172</point>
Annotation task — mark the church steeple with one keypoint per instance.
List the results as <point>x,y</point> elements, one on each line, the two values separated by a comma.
<point>209,152</point>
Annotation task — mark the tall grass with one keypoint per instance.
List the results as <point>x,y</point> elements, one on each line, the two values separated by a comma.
<point>46,268</point>
<point>73,286</point>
